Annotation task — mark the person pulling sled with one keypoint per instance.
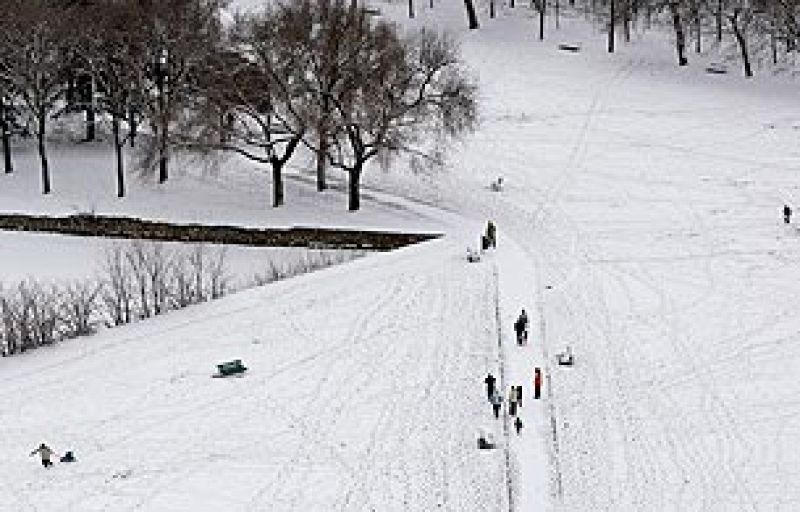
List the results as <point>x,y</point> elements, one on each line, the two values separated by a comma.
<point>45,452</point>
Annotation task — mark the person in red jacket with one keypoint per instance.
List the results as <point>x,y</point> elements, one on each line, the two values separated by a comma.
<point>537,383</point>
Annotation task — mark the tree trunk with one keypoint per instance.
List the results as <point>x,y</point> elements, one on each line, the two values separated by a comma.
<point>277,182</point>
<point>6,137</point>
<point>626,23</point>
<point>740,39</point>
<point>40,134</point>
<point>163,157</point>
<point>321,154</point>
<point>132,126</point>
<point>471,15</point>
<point>163,172</point>
<point>354,196</point>
<point>773,43</point>
<point>697,31</point>
<point>410,8</point>
<point>491,9</point>
<point>90,113</point>
<point>322,150</point>
<point>611,27</point>
<point>118,143</point>
<point>558,14</point>
<point>719,21</point>
<point>90,124</point>
<point>680,38</point>
<point>542,9</point>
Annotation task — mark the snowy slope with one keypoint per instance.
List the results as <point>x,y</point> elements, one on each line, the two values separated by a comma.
<point>639,225</point>
<point>360,395</point>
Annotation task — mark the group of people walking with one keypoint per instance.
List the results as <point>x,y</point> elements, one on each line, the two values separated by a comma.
<point>495,398</point>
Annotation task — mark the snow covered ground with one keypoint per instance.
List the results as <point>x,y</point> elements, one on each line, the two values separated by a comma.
<point>640,225</point>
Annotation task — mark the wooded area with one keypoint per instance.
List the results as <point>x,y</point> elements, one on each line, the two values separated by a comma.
<point>170,76</point>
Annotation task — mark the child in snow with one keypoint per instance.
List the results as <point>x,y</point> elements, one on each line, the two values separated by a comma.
<point>68,457</point>
<point>45,452</point>
<point>518,425</point>
<point>787,214</point>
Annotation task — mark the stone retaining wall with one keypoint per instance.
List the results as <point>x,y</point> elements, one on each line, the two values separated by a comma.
<point>134,228</point>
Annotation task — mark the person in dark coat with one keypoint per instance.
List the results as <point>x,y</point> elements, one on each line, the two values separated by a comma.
<point>518,425</point>
<point>490,380</point>
<point>787,214</point>
<point>491,234</point>
<point>519,395</point>
<point>68,457</point>
<point>45,452</point>
<point>521,327</point>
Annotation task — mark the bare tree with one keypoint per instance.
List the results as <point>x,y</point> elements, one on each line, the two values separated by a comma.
<point>260,91</point>
<point>5,130</point>
<point>395,91</point>
<point>117,292</point>
<point>108,50</point>
<point>34,41</point>
<point>78,307</point>
<point>740,19</point>
<point>177,36</point>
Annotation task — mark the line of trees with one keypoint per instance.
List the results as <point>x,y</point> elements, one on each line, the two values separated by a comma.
<point>323,75</point>
<point>138,280</point>
<point>760,29</point>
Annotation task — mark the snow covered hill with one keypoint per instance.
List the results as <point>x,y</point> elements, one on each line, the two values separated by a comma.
<point>640,225</point>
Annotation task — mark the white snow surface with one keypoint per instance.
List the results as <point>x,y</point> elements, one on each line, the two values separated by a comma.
<point>639,224</point>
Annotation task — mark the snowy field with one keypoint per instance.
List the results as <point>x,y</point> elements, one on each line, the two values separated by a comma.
<point>640,225</point>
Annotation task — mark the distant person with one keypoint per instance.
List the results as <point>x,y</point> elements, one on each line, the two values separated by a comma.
<point>521,328</point>
<point>491,234</point>
<point>490,380</point>
<point>537,383</point>
<point>68,457</point>
<point>519,395</point>
<point>497,401</point>
<point>518,425</point>
<point>45,452</point>
<point>787,214</point>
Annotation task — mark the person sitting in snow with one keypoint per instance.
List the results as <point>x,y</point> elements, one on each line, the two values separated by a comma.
<point>68,457</point>
<point>45,452</point>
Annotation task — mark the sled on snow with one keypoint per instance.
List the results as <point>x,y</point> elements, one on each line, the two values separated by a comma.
<point>496,185</point>
<point>230,368</point>
<point>486,439</point>
<point>715,68</point>
<point>570,47</point>
<point>565,358</point>
<point>473,256</point>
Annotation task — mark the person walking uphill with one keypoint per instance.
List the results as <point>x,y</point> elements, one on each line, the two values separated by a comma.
<point>521,328</point>
<point>489,380</point>
<point>787,214</point>
<point>45,452</point>
<point>491,234</point>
